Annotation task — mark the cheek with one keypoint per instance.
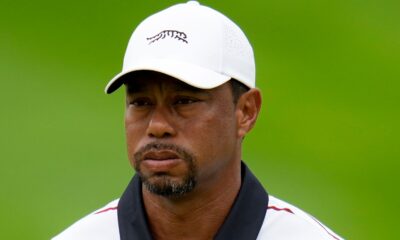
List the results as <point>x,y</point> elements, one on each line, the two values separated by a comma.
<point>133,132</point>
<point>221,124</point>
<point>212,135</point>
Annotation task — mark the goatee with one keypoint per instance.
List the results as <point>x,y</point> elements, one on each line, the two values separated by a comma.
<point>161,183</point>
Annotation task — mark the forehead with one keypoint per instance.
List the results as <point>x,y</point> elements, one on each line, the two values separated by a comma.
<point>148,80</point>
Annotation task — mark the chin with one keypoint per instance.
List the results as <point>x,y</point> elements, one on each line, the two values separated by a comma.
<point>168,186</point>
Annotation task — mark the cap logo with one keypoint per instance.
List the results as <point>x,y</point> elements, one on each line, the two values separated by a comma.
<point>180,36</point>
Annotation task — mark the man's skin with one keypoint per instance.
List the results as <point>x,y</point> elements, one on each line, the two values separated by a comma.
<point>206,124</point>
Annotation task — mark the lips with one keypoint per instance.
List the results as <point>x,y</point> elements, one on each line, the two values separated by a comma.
<point>160,155</point>
<point>160,161</point>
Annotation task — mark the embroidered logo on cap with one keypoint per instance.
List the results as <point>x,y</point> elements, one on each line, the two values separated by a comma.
<point>180,36</point>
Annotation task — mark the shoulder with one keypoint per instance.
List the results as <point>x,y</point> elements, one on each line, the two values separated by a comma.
<point>100,224</point>
<point>284,221</point>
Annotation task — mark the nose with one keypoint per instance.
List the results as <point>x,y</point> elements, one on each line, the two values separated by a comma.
<point>160,124</point>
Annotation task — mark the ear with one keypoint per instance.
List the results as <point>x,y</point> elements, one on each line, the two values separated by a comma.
<point>247,110</point>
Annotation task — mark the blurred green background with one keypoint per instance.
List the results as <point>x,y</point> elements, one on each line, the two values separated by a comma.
<point>327,140</point>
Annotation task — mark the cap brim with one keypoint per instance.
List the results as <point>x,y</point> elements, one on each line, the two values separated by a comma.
<point>191,74</point>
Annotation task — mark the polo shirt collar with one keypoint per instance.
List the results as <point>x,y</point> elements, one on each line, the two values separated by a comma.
<point>244,220</point>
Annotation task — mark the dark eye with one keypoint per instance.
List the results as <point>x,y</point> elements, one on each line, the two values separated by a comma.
<point>141,102</point>
<point>184,100</point>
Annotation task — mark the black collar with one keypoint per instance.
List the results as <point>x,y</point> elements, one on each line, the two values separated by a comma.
<point>243,222</point>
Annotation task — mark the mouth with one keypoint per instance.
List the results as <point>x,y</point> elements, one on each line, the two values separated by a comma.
<point>160,161</point>
<point>160,155</point>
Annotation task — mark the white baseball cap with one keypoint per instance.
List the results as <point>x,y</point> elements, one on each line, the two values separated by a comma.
<point>190,42</point>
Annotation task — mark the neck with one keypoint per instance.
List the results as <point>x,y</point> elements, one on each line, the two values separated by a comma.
<point>184,217</point>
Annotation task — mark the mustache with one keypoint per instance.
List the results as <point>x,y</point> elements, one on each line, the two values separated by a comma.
<point>182,153</point>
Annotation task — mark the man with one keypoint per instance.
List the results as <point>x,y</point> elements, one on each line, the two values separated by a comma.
<point>189,76</point>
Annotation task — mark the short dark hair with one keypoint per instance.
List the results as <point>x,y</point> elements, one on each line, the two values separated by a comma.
<point>238,89</point>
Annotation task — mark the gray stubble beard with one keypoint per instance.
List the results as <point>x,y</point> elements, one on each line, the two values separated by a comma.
<point>164,185</point>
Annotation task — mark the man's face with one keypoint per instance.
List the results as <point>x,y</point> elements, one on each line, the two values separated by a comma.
<point>178,136</point>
